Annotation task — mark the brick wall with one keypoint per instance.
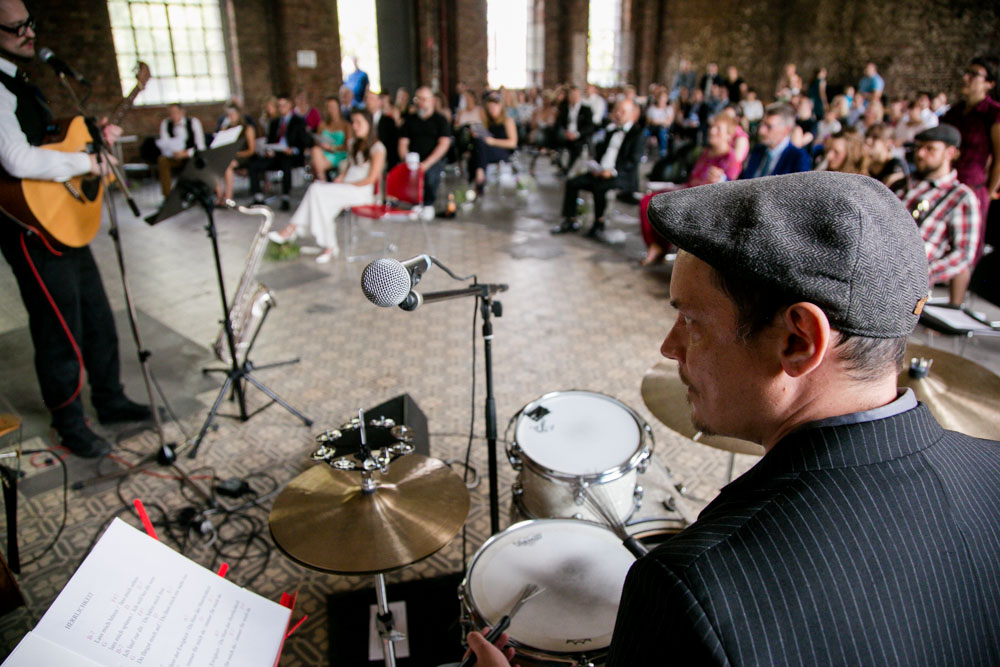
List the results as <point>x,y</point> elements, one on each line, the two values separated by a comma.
<point>917,45</point>
<point>469,22</point>
<point>566,24</point>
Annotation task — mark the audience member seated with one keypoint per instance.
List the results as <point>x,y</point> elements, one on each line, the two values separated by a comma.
<point>804,132</point>
<point>911,124</point>
<point>426,133</point>
<point>817,92</point>
<point>845,152</point>
<point>739,139</point>
<point>247,144</point>
<point>829,124</point>
<point>659,118</point>
<point>330,147</point>
<point>598,105</point>
<point>576,125</point>
<point>716,163</point>
<point>775,154</point>
<point>734,84</point>
<point>403,103</point>
<point>387,122</point>
<point>616,165</point>
<point>494,138</point>
<point>470,114</point>
<point>180,136</point>
<point>287,142</point>
<point>309,113</point>
<point>789,84</point>
<point>709,80</point>
<point>685,79</point>
<point>543,127</point>
<point>882,165</point>
<point>752,110</point>
<point>873,114</point>
<point>946,211</point>
<point>323,202</point>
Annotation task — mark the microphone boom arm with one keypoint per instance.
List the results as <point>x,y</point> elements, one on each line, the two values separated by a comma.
<point>483,290</point>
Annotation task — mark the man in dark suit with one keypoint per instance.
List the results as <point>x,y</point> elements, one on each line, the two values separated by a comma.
<point>575,125</point>
<point>867,534</point>
<point>775,154</point>
<point>289,140</point>
<point>616,167</point>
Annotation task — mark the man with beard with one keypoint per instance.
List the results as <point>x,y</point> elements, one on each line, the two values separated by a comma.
<point>945,210</point>
<point>70,320</point>
<point>426,133</point>
<point>866,534</point>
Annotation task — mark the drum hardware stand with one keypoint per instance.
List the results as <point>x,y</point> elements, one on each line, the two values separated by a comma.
<point>487,306</point>
<point>166,454</point>
<point>196,185</point>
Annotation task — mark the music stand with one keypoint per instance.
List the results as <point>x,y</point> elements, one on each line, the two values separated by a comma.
<point>196,185</point>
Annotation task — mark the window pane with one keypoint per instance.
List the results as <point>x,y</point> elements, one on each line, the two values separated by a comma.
<point>183,43</point>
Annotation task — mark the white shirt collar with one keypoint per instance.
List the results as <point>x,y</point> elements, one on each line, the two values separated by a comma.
<point>7,67</point>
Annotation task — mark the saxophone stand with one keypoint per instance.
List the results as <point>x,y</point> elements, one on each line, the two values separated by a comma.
<point>196,185</point>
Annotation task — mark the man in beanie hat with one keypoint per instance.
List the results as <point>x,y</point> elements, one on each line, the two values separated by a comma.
<point>946,211</point>
<point>866,534</point>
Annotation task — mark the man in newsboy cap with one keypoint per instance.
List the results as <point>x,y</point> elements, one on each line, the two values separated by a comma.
<point>945,210</point>
<point>866,534</point>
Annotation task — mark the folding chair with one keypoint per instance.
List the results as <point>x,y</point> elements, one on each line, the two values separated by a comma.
<point>402,185</point>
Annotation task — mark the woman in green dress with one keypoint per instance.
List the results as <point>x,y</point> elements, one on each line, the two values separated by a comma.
<point>331,141</point>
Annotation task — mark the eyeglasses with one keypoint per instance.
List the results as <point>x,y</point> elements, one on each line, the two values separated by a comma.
<point>973,73</point>
<point>22,28</point>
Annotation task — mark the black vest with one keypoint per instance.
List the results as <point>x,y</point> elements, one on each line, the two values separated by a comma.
<point>190,130</point>
<point>33,113</point>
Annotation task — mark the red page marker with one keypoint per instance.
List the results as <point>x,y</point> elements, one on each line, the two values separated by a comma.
<point>146,523</point>
<point>296,626</point>
<point>223,569</point>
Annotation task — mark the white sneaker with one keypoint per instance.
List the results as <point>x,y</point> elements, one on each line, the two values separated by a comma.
<point>427,213</point>
<point>325,257</point>
<point>276,237</point>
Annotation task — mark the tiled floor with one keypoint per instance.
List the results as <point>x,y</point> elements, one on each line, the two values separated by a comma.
<point>578,315</point>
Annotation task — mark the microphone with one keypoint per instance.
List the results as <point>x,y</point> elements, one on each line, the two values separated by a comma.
<point>60,66</point>
<point>389,282</point>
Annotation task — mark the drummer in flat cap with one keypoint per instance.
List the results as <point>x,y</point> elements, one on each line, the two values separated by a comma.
<point>867,534</point>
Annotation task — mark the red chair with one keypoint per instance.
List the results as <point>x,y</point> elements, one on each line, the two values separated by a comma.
<point>402,186</point>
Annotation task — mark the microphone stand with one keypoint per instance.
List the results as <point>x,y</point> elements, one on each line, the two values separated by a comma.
<point>166,455</point>
<point>487,307</point>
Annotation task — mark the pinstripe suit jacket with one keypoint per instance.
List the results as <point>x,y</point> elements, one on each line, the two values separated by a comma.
<point>868,544</point>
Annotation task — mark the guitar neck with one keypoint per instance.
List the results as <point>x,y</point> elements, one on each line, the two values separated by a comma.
<point>123,107</point>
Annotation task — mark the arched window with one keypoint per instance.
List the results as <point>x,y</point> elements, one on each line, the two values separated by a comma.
<point>507,39</point>
<point>604,43</point>
<point>359,39</point>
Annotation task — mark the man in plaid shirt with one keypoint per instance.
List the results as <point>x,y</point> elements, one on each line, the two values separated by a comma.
<point>946,211</point>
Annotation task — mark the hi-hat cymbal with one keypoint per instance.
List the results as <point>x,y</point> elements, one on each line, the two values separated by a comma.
<point>325,521</point>
<point>666,397</point>
<point>960,393</point>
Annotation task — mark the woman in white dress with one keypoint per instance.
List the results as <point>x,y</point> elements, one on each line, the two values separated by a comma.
<point>323,202</point>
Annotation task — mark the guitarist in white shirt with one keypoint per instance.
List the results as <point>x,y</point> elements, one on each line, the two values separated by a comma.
<point>69,317</point>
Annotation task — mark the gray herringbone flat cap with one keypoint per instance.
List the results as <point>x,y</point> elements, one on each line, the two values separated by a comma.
<point>841,241</point>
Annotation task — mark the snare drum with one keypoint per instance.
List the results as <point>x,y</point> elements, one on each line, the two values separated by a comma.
<point>568,440</point>
<point>581,566</point>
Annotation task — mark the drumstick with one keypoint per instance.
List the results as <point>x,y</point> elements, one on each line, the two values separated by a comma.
<point>528,592</point>
<point>611,520</point>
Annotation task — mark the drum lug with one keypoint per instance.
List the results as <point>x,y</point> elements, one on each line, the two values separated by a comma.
<point>580,492</point>
<point>644,461</point>
<point>637,497</point>
<point>514,457</point>
<point>517,490</point>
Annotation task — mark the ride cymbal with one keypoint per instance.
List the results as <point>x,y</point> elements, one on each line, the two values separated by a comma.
<point>325,521</point>
<point>666,397</point>
<point>962,395</point>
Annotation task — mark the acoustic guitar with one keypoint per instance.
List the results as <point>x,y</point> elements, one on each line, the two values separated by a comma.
<point>68,213</point>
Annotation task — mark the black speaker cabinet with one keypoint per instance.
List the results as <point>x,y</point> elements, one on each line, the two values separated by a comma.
<point>404,410</point>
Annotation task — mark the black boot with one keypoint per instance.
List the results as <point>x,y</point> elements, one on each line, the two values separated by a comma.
<point>596,232</point>
<point>121,409</point>
<point>81,441</point>
<point>568,225</point>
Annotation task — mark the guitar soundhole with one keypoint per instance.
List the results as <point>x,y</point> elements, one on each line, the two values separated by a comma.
<point>91,188</point>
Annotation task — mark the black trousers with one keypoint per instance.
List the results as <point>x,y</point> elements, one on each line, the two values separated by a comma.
<point>483,155</point>
<point>283,162</point>
<point>598,186</point>
<point>76,324</point>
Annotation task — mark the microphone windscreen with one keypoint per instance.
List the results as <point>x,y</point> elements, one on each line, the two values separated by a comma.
<point>386,282</point>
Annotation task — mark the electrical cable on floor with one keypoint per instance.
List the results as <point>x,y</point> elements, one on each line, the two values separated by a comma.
<point>65,504</point>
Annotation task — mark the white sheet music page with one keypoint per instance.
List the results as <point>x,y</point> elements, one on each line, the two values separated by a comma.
<point>135,601</point>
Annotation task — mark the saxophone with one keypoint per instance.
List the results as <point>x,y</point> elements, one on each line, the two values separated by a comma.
<point>252,299</point>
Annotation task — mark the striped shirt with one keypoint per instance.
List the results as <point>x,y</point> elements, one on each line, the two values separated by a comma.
<point>948,215</point>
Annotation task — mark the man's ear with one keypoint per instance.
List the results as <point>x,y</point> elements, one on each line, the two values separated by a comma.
<point>805,337</point>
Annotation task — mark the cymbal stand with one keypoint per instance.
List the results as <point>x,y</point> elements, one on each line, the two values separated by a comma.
<point>384,622</point>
